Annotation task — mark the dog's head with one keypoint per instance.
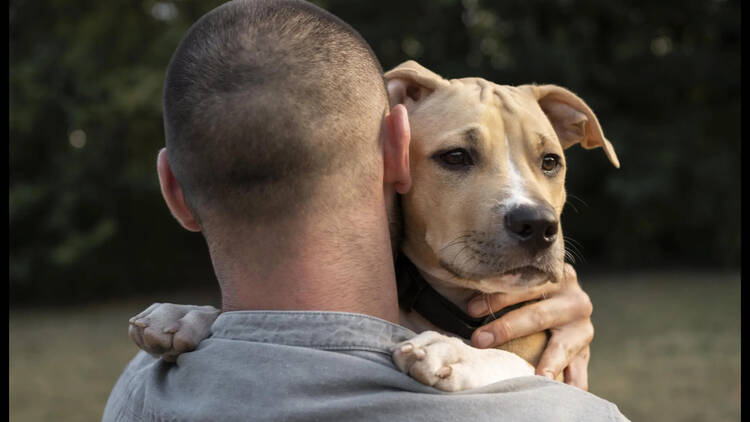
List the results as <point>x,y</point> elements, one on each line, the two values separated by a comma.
<point>488,175</point>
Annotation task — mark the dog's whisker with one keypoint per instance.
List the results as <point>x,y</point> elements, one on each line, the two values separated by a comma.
<point>459,239</point>
<point>582,202</point>
<point>469,258</point>
<point>573,254</point>
<point>573,246</point>
<point>454,242</point>
<point>570,202</point>
<point>570,239</point>
<point>572,206</point>
<point>572,249</point>
<point>453,263</point>
<point>487,301</point>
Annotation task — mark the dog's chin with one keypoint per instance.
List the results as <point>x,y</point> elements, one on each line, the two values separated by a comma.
<point>528,275</point>
<point>516,279</point>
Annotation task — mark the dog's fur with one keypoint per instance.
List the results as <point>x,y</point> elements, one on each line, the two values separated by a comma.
<point>477,156</point>
<point>454,230</point>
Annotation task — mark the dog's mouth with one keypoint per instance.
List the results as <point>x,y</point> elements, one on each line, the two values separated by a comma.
<point>523,275</point>
<point>528,275</point>
<point>524,270</point>
<point>475,262</point>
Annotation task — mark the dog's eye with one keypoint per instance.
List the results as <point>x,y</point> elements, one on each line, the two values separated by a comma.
<point>456,158</point>
<point>550,162</point>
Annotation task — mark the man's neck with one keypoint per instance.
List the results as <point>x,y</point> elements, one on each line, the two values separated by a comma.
<point>326,266</point>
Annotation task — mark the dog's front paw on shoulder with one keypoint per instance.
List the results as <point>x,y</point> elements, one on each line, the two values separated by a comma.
<point>167,330</point>
<point>435,360</point>
<point>449,364</point>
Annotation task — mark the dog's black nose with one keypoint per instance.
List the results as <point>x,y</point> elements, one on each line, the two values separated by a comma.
<point>535,226</point>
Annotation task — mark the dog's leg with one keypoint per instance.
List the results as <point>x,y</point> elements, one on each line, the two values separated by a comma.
<point>449,364</point>
<point>166,330</point>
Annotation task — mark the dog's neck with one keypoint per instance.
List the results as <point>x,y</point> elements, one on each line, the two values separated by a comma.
<point>457,295</point>
<point>423,307</point>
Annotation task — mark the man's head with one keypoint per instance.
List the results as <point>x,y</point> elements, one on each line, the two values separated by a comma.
<point>272,110</point>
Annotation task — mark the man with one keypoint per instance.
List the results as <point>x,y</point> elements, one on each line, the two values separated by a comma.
<point>281,149</point>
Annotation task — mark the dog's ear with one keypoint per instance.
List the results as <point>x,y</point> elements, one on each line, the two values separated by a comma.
<point>411,82</point>
<point>572,119</point>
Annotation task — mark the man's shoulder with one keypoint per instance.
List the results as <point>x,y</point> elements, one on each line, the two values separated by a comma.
<point>321,367</point>
<point>127,397</point>
<point>282,383</point>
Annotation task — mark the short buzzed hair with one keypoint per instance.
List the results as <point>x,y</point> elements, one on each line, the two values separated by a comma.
<point>266,103</point>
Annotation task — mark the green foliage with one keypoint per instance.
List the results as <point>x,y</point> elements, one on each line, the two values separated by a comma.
<point>86,217</point>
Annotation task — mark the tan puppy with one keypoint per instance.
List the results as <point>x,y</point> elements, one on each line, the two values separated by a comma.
<point>482,217</point>
<point>488,175</point>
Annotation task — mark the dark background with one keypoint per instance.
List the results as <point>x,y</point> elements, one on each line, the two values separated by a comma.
<point>87,220</point>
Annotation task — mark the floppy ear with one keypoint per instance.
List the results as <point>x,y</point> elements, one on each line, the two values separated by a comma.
<point>572,119</point>
<point>410,82</point>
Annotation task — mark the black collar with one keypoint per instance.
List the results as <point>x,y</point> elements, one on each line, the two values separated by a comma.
<point>415,294</point>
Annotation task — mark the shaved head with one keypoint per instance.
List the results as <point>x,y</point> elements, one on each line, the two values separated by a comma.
<point>272,109</point>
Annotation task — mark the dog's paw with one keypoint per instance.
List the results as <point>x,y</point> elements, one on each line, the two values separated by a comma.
<point>166,330</point>
<point>431,358</point>
<point>449,364</point>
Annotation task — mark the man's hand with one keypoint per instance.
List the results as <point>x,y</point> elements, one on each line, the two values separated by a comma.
<point>564,309</point>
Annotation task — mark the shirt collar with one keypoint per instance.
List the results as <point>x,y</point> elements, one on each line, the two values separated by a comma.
<point>315,329</point>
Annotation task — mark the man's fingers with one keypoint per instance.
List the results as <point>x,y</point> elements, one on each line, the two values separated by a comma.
<point>478,306</point>
<point>564,344</point>
<point>577,373</point>
<point>565,310</point>
<point>533,318</point>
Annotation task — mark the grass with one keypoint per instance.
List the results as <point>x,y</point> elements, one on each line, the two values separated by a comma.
<point>667,348</point>
<point>64,362</point>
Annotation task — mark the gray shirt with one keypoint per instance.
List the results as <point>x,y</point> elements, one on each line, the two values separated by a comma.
<point>322,366</point>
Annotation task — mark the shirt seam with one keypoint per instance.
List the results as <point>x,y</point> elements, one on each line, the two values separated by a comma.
<point>320,313</point>
<point>381,350</point>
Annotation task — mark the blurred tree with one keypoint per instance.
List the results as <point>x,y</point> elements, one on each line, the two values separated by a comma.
<point>86,217</point>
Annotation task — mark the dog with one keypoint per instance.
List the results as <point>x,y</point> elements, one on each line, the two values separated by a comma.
<point>482,217</point>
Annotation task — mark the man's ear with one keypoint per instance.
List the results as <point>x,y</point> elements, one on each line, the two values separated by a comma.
<point>396,150</point>
<point>172,193</point>
<point>572,119</point>
<point>410,82</point>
